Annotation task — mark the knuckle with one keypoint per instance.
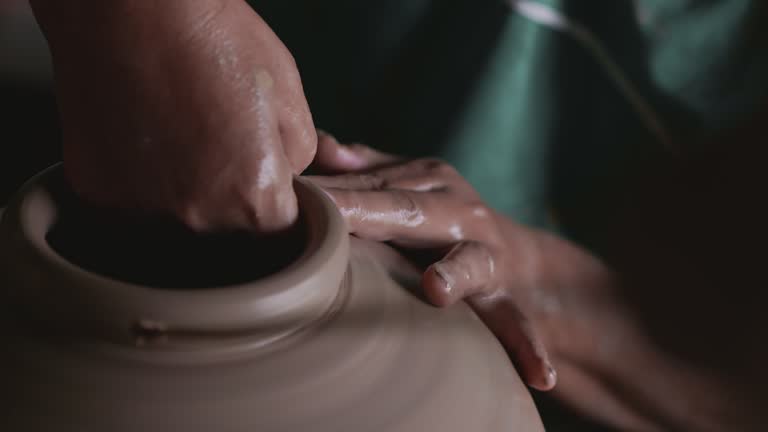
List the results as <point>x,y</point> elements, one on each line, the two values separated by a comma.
<point>472,247</point>
<point>472,250</point>
<point>408,209</point>
<point>273,214</point>
<point>301,151</point>
<point>480,259</point>
<point>405,202</point>
<point>438,167</point>
<point>373,181</point>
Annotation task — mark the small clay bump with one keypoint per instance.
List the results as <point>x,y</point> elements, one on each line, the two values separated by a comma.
<point>146,332</point>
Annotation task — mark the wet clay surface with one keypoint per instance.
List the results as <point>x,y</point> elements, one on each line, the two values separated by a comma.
<point>335,342</point>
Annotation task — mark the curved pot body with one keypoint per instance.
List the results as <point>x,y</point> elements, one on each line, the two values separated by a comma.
<point>334,342</point>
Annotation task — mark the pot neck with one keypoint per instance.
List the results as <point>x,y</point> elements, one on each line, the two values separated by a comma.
<point>46,288</point>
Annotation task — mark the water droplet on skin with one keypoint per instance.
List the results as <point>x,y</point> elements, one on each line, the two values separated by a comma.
<point>491,265</point>
<point>456,232</point>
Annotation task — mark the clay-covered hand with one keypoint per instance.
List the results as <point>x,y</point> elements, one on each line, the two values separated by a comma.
<point>483,257</point>
<point>550,301</point>
<point>192,109</point>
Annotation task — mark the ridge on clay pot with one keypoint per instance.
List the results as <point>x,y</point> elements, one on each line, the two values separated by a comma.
<point>335,341</point>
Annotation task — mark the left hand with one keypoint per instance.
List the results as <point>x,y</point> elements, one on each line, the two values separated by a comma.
<point>485,258</point>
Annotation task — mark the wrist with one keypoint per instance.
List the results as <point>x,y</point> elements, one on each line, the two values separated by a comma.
<point>572,293</point>
<point>602,350</point>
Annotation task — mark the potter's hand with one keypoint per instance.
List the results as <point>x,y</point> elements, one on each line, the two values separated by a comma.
<point>488,260</point>
<point>192,109</point>
<point>535,290</point>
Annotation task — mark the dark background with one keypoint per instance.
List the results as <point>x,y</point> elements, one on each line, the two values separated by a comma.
<point>29,130</point>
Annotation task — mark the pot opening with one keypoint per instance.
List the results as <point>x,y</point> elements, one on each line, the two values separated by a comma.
<point>164,254</point>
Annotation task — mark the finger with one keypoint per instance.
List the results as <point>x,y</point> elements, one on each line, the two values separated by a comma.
<point>468,271</point>
<point>406,218</point>
<point>518,337</point>
<point>298,136</point>
<point>271,205</point>
<point>421,175</point>
<point>296,126</point>
<point>333,157</point>
<point>469,268</point>
<point>259,198</point>
<point>267,206</point>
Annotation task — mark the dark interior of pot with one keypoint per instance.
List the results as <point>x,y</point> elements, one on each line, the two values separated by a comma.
<point>160,253</point>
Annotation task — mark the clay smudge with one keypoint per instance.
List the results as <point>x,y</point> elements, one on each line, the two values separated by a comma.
<point>263,80</point>
<point>149,331</point>
<point>404,217</point>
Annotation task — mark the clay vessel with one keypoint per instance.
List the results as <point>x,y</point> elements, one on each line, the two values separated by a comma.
<point>336,341</point>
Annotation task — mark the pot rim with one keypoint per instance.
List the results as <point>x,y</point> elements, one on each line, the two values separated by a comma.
<point>46,284</point>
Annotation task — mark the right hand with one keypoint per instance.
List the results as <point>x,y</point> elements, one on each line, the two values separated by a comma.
<point>192,110</point>
<point>473,253</point>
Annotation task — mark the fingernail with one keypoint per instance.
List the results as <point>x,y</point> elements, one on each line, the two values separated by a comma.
<point>449,283</point>
<point>550,377</point>
<point>350,158</point>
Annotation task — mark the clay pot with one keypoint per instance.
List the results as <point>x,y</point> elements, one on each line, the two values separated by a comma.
<point>336,341</point>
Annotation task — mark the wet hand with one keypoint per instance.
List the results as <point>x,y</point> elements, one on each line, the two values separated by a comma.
<point>193,110</point>
<point>483,257</point>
